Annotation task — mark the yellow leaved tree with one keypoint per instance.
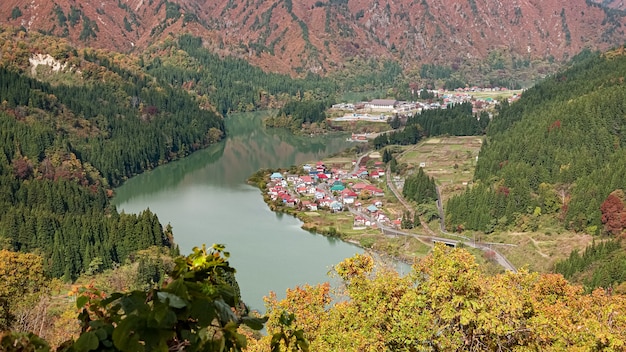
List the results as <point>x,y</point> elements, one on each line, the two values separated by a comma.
<point>447,304</point>
<point>22,279</point>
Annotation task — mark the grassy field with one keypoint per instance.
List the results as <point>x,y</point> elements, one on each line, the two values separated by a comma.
<point>401,247</point>
<point>496,95</point>
<point>449,160</point>
<point>340,162</point>
<point>538,251</point>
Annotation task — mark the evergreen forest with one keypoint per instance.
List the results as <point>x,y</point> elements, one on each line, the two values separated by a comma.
<point>601,264</point>
<point>454,120</point>
<point>64,147</point>
<point>420,188</point>
<point>229,84</point>
<point>559,151</point>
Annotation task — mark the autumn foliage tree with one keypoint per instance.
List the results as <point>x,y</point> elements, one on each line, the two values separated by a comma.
<point>444,304</point>
<point>22,280</point>
<point>23,168</point>
<point>613,214</point>
<point>447,304</point>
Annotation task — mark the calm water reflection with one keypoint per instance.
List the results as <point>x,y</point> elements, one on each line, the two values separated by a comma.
<point>205,198</point>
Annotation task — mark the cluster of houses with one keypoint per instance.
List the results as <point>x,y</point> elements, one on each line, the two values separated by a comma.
<point>335,190</point>
<point>401,107</point>
<point>479,89</point>
<point>478,104</point>
<point>459,95</point>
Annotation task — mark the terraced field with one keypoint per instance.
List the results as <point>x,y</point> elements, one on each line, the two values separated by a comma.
<point>450,160</point>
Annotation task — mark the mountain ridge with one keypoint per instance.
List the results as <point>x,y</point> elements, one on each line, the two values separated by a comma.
<point>323,36</point>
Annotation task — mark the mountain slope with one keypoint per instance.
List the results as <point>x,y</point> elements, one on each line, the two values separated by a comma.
<point>318,36</point>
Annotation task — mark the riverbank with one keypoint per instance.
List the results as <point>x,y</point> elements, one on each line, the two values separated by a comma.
<point>333,214</point>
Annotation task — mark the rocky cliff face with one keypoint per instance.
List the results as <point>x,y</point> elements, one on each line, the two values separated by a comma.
<point>322,35</point>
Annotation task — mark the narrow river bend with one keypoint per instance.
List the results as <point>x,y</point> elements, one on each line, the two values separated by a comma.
<point>206,200</point>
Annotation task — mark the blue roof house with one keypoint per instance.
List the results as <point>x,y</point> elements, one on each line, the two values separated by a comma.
<point>276,176</point>
<point>338,188</point>
<point>372,209</point>
<point>336,206</point>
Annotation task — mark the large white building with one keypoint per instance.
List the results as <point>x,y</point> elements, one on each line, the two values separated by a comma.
<point>381,104</point>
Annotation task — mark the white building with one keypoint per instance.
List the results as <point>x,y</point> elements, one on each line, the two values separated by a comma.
<point>381,104</point>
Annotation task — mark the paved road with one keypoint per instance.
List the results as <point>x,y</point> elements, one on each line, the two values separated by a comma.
<point>442,222</point>
<point>428,239</point>
<point>358,162</point>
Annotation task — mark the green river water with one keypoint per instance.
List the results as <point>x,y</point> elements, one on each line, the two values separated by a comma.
<point>206,200</point>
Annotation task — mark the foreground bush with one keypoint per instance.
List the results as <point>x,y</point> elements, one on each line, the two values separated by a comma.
<point>196,309</point>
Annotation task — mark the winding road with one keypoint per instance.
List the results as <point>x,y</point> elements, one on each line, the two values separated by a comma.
<point>358,163</point>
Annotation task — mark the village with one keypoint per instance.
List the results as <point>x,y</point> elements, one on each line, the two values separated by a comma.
<point>378,111</point>
<point>356,199</point>
<point>334,189</point>
<point>375,110</point>
<point>358,188</point>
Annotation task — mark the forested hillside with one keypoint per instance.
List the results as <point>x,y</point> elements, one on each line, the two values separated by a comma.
<point>560,151</point>
<point>72,126</point>
<point>228,84</point>
<point>486,42</point>
<point>599,265</point>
